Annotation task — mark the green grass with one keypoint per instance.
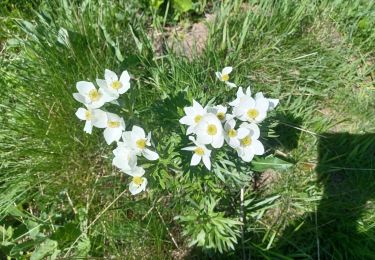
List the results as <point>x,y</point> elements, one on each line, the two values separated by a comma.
<point>57,182</point>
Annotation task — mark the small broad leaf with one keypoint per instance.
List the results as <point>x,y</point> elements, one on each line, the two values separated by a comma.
<point>46,248</point>
<point>270,162</point>
<point>182,5</point>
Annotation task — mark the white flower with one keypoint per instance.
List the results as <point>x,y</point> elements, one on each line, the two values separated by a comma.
<point>138,183</point>
<point>137,140</point>
<point>273,102</point>
<point>193,116</point>
<point>240,96</point>
<point>220,111</point>
<point>250,145</point>
<point>224,76</point>
<point>125,158</point>
<point>93,117</point>
<point>90,96</point>
<point>113,85</point>
<point>115,127</point>
<point>210,131</point>
<point>200,153</point>
<point>233,136</point>
<point>251,110</point>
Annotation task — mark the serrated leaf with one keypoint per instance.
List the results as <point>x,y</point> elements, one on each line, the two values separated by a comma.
<point>270,162</point>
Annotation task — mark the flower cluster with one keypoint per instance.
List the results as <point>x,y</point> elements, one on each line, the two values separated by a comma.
<point>212,125</point>
<point>134,143</point>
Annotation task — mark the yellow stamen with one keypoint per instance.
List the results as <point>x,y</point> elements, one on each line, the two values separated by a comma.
<point>211,129</point>
<point>224,77</point>
<point>221,116</point>
<point>141,143</point>
<point>199,151</point>
<point>116,85</point>
<point>113,124</point>
<point>88,115</point>
<point>252,113</point>
<point>94,95</point>
<point>232,133</point>
<point>246,141</point>
<point>197,119</point>
<point>137,180</point>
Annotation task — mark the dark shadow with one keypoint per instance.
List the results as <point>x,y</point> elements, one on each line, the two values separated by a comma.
<point>286,129</point>
<point>346,169</point>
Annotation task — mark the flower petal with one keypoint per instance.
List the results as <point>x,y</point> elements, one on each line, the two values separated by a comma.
<point>230,84</point>
<point>227,70</point>
<point>80,98</point>
<point>88,127</point>
<point>257,147</point>
<point>110,76</point>
<point>207,162</point>
<point>195,159</point>
<point>112,134</point>
<point>150,155</point>
<point>84,87</point>
<point>81,113</point>
<point>99,118</point>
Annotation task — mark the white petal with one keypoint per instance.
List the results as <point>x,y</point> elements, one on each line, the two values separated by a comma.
<point>262,115</point>
<point>218,75</point>
<point>112,134</point>
<point>247,155</point>
<point>110,76</point>
<point>254,130</point>
<point>187,120</point>
<point>230,84</point>
<point>257,147</point>
<point>80,98</point>
<point>189,148</point>
<point>204,138</point>
<point>99,118</point>
<point>138,131</point>
<point>190,130</point>
<point>197,107</point>
<point>81,113</point>
<point>262,104</point>
<point>195,159</point>
<point>101,83</point>
<point>227,70</point>
<point>150,155</point>
<point>234,142</point>
<point>125,87</point>
<point>88,127</point>
<point>84,87</point>
<point>124,78</point>
<point>272,103</point>
<point>207,162</point>
<point>218,141</point>
<point>242,132</point>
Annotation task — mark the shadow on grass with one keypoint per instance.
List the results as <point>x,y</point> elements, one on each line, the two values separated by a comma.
<point>339,229</point>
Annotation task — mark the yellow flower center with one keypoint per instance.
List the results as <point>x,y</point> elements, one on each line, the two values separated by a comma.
<point>211,129</point>
<point>197,119</point>
<point>141,143</point>
<point>199,151</point>
<point>116,85</point>
<point>94,95</point>
<point>224,77</point>
<point>252,113</point>
<point>113,124</point>
<point>246,141</point>
<point>88,115</point>
<point>221,116</point>
<point>137,180</point>
<point>232,133</point>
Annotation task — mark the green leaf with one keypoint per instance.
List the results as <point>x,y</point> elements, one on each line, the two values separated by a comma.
<point>156,3</point>
<point>48,247</point>
<point>270,162</point>
<point>182,5</point>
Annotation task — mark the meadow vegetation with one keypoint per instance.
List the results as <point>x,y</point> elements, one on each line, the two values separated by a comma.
<point>312,196</point>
